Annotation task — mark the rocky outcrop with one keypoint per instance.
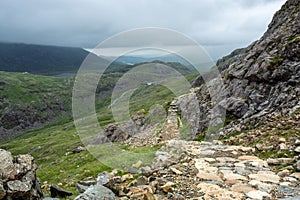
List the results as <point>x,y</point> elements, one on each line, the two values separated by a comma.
<point>17,177</point>
<point>139,131</point>
<point>16,118</point>
<point>260,79</point>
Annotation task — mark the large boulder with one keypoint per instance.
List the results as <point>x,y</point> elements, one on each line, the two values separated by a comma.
<point>18,178</point>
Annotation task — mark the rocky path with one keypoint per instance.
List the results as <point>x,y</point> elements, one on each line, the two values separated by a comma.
<point>204,170</point>
<point>169,130</point>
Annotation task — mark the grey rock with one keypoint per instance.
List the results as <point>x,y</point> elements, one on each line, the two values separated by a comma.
<point>102,178</point>
<point>2,190</point>
<point>142,180</point>
<point>81,188</point>
<point>297,149</point>
<point>97,192</point>
<point>50,198</point>
<point>88,183</point>
<point>78,149</point>
<point>58,192</point>
<point>146,171</point>
<point>283,146</point>
<point>298,166</point>
<point>256,194</point>
<point>18,178</point>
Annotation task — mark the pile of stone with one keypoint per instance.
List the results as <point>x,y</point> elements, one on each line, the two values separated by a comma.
<point>18,178</point>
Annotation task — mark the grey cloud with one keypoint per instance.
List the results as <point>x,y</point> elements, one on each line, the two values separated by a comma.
<point>220,24</point>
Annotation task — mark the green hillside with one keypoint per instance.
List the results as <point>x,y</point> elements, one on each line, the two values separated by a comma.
<point>52,145</point>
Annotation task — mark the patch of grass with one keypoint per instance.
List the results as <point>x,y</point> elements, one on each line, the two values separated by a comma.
<point>275,154</point>
<point>228,76</point>
<point>233,134</point>
<point>275,63</point>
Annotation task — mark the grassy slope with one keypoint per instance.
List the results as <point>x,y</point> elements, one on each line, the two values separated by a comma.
<point>28,89</point>
<point>51,145</point>
<point>26,99</point>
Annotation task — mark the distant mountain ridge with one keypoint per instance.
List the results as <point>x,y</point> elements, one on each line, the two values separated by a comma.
<point>41,59</point>
<point>171,57</point>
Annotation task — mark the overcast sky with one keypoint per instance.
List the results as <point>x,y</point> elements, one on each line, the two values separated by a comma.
<point>220,25</point>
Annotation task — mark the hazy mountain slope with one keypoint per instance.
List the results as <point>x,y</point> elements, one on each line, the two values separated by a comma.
<point>41,59</point>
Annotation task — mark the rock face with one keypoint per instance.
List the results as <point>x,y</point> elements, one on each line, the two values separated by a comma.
<point>17,177</point>
<point>260,79</point>
<point>15,119</point>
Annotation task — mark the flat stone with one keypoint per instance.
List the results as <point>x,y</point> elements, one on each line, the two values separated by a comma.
<point>248,158</point>
<point>211,169</point>
<point>210,160</point>
<point>298,166</point>
<point>259,163</point>
<point>242,171</point>
<point>246,149</point>
<point>265,187</point>
<point>167,187</point>
<point>234,177</point>
<point>285,183</point>
<point>297,149</point>
<point>212,191</point>
<point>265,172</point>
<point>239,187</point>
<point>225,159</point>
<point>285,160</point>
<point>204,153</point>
<point>290,179</point>
<point>176,171</point>
<point>283,146</point>
<point>241,165</point>
<point>265,177</point>
<point>296,175</point>
<point>284,173</point>
<point>259,195</point>
<point>208,176</point>
<point>231,182</point>
<point>200,164</point>
<point>272,161</point>
<point>138,164</point>
<point>282,140</point>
